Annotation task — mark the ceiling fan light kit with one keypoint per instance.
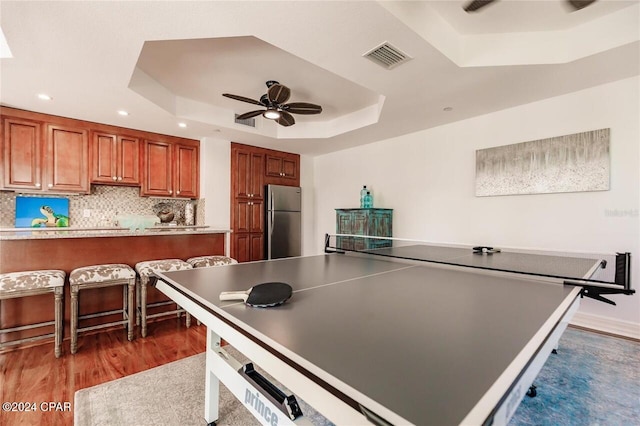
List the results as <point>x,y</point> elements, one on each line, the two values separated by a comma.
<point>276,108</point>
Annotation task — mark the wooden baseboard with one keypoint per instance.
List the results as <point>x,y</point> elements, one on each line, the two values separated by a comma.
<point>607,325</point>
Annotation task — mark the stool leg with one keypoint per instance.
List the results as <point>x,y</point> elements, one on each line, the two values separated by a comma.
<point>188,320</point>
<point>58,321</point>
<point>143,304</point>
<point>131,287</point>
<point>74,319</point>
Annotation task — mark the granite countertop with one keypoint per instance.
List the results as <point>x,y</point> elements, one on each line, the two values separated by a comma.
<point>51,233</point>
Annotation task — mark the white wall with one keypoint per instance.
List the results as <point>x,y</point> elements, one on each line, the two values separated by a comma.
<point>428,179</point>
<point>215,182</point>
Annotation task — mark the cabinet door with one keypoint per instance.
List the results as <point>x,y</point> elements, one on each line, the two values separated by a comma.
<point>157,169</point>
<point>290,168</point>
<point>186,171</point>
<point>128,160</point>
<point>273,166</point>
<point>282,169</point>
<point>257,216</point>
<point>67,159</point>
<point>257,247</point>
<point>248,216</point>
<point>22,154</point>
<point>242,247</point>
<point>248,247</point>
<point>248,174</point>
<point>104,152</point>
<point>242,216</point>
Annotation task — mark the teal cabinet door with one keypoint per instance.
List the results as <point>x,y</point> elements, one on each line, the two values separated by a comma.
<point>369,222</point>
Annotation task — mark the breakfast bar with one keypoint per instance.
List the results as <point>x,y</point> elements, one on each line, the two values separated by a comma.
<point>70,248</point>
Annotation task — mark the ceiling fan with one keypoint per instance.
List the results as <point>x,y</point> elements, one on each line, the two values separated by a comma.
<point>276,108</point>
<point>475,5</point>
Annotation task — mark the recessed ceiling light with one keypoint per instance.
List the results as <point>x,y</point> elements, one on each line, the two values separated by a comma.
<point>123,112</point>
<point>447,109</point>
<point>44,97</point>
<point>183,125</point>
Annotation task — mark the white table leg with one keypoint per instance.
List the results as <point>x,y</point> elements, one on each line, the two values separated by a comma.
<point>211,384</point>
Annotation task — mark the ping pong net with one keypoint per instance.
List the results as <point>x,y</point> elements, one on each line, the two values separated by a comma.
<point>598,275</point>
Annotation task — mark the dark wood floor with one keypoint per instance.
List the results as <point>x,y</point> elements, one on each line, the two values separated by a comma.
<point>35,375</point>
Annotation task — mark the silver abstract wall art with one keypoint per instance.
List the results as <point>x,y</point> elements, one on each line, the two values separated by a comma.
<point>570,163</point>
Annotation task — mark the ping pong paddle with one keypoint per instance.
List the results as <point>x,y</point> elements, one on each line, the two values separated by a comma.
<point>263,295</point>
<point>485,250</point>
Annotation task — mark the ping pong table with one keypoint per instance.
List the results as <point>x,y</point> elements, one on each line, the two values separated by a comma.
<point>405,335</point>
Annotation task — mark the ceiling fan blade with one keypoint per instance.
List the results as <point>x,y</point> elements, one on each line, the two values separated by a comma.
<point>286,119</point>
<point>475,5</point>
<point>249,114</point>
<point>302,108</point>
<point>580,4</point>
<point>278,93</point>
<point>242,98</point>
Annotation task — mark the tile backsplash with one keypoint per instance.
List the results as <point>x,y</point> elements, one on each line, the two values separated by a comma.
<point>103,204</point>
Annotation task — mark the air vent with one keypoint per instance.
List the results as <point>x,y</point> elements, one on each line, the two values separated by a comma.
<point>387,56</point>
<point>251,122</point>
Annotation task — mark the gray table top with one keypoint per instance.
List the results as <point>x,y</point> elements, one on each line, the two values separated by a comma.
<point>423,341</point>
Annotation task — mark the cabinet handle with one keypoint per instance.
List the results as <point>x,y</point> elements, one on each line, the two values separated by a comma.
<point>38,185</point>
<point>177,192</point>
<point>50,185</point>
<point>114,178</point>
<point>119,178</point>
<point>170,192</point>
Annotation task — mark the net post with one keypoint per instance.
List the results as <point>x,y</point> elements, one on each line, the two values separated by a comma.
<point>623,270</point>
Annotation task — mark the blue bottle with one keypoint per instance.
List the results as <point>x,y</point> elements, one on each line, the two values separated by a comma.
<point>368,200</point>
<point>363,193</point>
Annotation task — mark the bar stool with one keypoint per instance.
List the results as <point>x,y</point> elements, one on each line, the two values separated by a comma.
<point>99,276</point>
<point>33,283</point>
<point>207,261</point>
<point>146,271</point>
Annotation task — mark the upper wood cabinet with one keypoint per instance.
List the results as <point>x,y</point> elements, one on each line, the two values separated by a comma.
<point>41,152</point>
<point>21,151</point>
<point>116,159</point>
<point>67,157</point>
<point>282,169</point>
<point>247,173</point>
<point>170,169</point>
<point>186,171</point>
<point>44,157</point>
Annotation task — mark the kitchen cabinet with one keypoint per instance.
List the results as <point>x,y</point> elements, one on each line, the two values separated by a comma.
<point>170,169</point>
<point>251,169</point>
<point>247,170</point>
<point>371,222</point>
<point>22,158</point>
<point>280,169</point>
<point>41,152</point>
<point>115,159</point>
<point>186,171</point>
<point>40,157</point>
<point>248,247</point>
<point>67,155</point>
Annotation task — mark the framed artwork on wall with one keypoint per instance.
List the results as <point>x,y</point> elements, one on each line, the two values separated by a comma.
<point>571,163</point>
<point>42,212</point>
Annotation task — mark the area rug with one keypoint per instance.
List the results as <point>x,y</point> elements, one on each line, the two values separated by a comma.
<point>593,380</point>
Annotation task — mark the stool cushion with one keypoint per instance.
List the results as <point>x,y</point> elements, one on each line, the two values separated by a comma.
<point>101,273</point>
<point>31,280</point>
<point>148,268</point>
<point>205,261</point>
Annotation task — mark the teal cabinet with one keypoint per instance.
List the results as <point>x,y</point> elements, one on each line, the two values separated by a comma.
<point>371,222</point>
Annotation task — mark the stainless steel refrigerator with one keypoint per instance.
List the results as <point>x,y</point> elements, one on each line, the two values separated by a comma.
<point>284,223</point>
